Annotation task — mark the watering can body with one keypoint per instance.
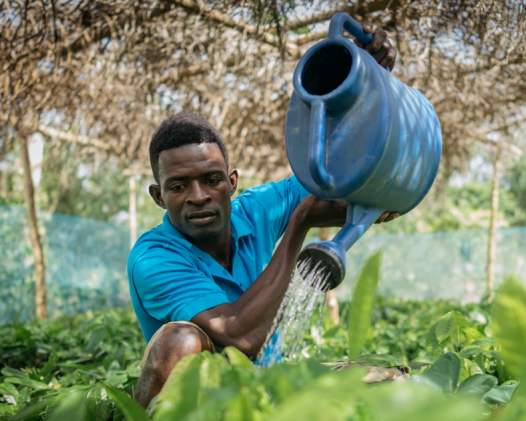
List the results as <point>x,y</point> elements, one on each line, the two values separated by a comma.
<point>356,134</point>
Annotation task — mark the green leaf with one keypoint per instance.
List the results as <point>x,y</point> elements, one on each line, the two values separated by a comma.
<point>33,384</point>
<point>131,409</point>
<point>509,324</point>
<point>13,372</point>
<point>97,337</point>
<point>443,374</point>
<point>330,397</point>
<point>34,409</point>
<point>237,358</point>
<point>445,326</point>
<point>71,407</point>
<point>49,366</point>
<point>180,394</point>
<point>240,409</point>
<point>501,394</point>
<point>478,384</point>
<point>362,303</point>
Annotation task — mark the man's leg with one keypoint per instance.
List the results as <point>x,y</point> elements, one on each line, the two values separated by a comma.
<point>174,342</point>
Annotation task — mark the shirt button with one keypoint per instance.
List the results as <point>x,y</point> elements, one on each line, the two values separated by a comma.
<point>209,263</point>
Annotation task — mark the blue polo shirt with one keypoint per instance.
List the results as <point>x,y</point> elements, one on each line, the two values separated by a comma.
<point>173,280</point>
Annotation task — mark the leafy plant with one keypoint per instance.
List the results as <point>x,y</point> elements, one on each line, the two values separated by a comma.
<point>465,359</point>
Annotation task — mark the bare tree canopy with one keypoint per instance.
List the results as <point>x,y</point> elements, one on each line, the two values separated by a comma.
<point>103,74</point>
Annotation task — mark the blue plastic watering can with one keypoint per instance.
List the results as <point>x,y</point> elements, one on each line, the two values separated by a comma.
<point>356,134</point>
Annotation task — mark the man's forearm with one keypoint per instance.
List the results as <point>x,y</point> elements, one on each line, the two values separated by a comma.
<point>246,322</point>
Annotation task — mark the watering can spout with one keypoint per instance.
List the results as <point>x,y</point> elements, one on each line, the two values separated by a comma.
<point>328,257</point>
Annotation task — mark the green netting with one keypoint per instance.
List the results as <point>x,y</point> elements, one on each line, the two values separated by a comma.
<point>446,265</point>
<point>86,264</point>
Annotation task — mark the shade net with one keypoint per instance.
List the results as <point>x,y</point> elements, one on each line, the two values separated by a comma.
<point>86,264</point>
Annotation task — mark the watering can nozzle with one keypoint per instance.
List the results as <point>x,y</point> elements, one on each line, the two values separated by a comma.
<point>326,258</point>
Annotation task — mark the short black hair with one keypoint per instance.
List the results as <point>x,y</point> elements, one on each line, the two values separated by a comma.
<point>179,130</point>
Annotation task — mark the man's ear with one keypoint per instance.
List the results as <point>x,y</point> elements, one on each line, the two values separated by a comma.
<point>233,175</point>
<point>155,192</point>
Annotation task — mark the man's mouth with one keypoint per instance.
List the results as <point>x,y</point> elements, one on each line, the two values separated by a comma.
<point>201,217</point>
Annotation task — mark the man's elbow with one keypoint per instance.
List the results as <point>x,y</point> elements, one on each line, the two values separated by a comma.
<point>244,343</point>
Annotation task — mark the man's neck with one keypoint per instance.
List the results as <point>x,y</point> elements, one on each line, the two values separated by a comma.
<point>219,248</point>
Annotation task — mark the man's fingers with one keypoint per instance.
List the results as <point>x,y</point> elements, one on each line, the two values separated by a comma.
<point>380,47</point>
<point>389,58</point>
<point>379,40</point>
<point>382,217</point>
<point>368,27</point>
<point>391,216</point>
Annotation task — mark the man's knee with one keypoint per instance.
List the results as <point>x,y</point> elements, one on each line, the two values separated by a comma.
<point>175,342</point>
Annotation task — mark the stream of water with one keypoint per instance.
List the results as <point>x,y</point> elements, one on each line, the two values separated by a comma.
<point>306,292</point>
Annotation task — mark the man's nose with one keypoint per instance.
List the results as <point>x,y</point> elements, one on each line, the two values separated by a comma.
<point>198,194</point>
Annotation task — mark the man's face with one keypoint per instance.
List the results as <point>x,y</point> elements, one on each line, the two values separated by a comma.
<point>195,188</point>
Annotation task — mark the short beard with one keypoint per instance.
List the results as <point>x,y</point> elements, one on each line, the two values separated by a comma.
<point>206,235</point>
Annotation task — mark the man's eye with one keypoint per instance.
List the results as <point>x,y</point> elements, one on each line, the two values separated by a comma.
<point>213,181</point>
<point>177,187</point>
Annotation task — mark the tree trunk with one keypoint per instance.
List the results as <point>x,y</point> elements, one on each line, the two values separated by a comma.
<point>492,240</point>
<point>133,210</point>
<point>38,255</point>
<point>332,301</point>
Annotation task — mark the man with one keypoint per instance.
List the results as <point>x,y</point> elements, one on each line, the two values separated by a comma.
<point>207,276</point>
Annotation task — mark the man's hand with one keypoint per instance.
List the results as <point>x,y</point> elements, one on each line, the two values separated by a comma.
<point>315,212</point>
<point>387,216</point>
<point>380,48</point>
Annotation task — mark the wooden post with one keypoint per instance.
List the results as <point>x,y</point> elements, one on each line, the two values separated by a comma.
<point>332,301</point>
<point>133,210</point>
<point>492,240</point>
<point>38,255</point>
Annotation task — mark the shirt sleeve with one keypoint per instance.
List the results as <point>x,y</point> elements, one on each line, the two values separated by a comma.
<point>171,288</point>
<point>279,201</point>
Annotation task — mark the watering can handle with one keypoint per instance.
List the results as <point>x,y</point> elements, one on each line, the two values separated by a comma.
<point>341,21</point>
<point>316,152</point>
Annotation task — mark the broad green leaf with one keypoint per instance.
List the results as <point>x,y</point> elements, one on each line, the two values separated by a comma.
<point>13,372</point>
<point>34,409</point>
<point>483,342</point>
<point>240,409</point>
<point>362,302</point>
<point>33,384</point>
<point>445,326</point>
<point>501,394</point>
<point>237,358</point>
<point>49,366</point>
<point>97,409</point>
<point>472,335</point>
<point>473,351</point>
<point>478,384</point>
<point>468,369</point>
<point>442,375</point>
<point>180,394</point>
<point>332,396</point>
<point>414,403</point>
<point>71,407</point>
<point>96,338</point>
<point>211,371</point>
<point>509,324</point>
<point>131,409</point>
